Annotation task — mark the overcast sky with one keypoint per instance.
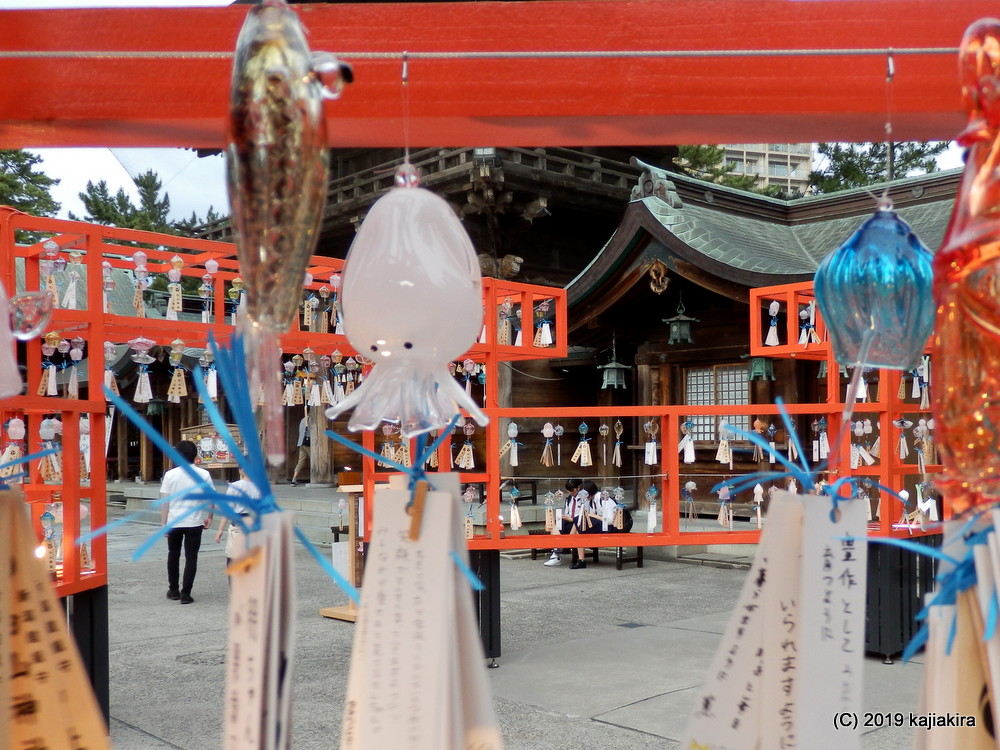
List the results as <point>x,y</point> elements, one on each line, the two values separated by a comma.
<point>193,184</point>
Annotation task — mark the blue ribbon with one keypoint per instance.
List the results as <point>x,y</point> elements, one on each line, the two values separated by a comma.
<point>23,460</point>
<point>416,474</point>
<point>230,365</point>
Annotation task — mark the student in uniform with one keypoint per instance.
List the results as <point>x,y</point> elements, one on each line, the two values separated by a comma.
<point>567,521</point>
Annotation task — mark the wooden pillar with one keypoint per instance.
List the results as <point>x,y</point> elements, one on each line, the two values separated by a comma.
<point>146,459</point>
<point>321,470</point>
<point>504,401</point>
<point>121,433</point>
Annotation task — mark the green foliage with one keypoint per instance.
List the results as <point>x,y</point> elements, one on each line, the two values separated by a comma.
<point>22,187</point>
<point>853,165</point>
<point>151,215</point>
<point>187,226</point>
<point>118,210</point>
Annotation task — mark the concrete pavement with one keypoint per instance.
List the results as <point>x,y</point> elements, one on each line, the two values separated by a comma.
<point>591,658</point>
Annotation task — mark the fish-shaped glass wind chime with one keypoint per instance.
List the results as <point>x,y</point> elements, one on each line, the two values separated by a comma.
<point>411,249</point>
<point>276,159</point>
<point>260,661</point>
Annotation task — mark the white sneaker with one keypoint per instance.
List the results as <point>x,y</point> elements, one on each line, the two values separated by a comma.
<point>554,560</point>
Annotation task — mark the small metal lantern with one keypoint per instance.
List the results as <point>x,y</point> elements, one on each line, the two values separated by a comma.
<point>761,368</point>
<point>680,326</point>
<point>614,371</point>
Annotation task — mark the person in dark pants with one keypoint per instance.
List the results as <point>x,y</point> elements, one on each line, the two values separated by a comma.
<point>188,522</point>
<point>302,464</point>
<point>567,522</point>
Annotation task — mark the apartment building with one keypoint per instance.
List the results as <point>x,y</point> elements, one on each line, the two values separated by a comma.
<point>784,164</point>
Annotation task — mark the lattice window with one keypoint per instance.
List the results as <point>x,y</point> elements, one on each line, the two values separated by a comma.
<point>711,386</point>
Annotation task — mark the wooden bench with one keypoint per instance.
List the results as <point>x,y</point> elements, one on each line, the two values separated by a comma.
<point>620,558</point>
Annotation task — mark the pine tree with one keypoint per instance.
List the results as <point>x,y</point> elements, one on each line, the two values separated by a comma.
<point>24,188</point>
<point>853,165</point>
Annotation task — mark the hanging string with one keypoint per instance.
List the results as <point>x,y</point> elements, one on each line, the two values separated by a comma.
<point>405,92</point>
<point>890,73</point>
<point>491,54</point>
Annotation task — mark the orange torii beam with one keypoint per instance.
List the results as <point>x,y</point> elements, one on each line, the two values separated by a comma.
<point>506,73</point>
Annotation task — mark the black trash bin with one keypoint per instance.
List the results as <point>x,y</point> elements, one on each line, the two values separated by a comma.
<point>898,579</point>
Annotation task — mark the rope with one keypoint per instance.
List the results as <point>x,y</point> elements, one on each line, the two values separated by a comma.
<point>527,374</point>
<point>491,54</point>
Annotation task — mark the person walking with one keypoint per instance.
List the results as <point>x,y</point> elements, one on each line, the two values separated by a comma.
<point>236,539</point>
<point>302,464</point>
<point>190,520</point>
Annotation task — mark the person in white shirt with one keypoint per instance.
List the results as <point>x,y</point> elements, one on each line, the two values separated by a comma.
<point>567,522</point>
<point>236,540</point>
<point>189,527</point>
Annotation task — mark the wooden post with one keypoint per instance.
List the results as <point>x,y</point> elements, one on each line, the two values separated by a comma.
<point>320,457</point>
<point>349,612</point>
<point>146,459</point>
<point>121,426</point>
